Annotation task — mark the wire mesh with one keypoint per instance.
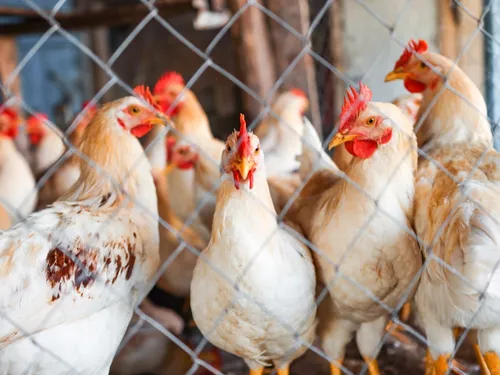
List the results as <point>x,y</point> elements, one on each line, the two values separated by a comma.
<point>325,69</point>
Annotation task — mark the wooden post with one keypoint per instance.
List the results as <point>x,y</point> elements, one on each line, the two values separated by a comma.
<point>8,62</point>
<point>287,46</point>
<point>337,52</point>
<point>458,26</point>
<point>255,58</point>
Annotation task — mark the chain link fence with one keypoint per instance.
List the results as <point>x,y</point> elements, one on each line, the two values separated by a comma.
<point>145,323</point>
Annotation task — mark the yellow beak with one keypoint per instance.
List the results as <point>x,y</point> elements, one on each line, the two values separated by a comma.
<point>169,168</point>
<point>244,166</point>
<point>157,120</point>
<point>396,74</point>
<point>341,138</point>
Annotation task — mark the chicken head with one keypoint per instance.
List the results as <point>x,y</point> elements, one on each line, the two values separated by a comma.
<point>35,128</point>
<point>166,91</point>
<point>242,155</point>
<point>362,127</point>
<point>136,117</point>
<point>9,122</point>
<point>415,71</point>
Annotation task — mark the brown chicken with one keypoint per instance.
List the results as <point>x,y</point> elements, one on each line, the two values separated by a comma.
<point>457,212</point>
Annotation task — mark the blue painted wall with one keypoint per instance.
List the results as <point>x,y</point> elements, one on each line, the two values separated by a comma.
<point>52,80</point>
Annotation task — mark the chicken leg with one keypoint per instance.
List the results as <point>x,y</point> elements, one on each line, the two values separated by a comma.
<point>368,339</point>
<point>396,331</point>
<point>258,371</point>
<point>283,370</point>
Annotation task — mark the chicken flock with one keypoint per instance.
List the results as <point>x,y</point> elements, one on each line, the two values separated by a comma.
<point>273,243</point>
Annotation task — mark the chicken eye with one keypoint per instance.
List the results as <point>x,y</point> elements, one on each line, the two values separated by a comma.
<point>134,110</point>
<point>257,149</point>
<point>422,65</point>
<point>228,148</point>
<point>370,121</point>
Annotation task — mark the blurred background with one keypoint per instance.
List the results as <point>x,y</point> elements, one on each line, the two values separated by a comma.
<point>349,39</point>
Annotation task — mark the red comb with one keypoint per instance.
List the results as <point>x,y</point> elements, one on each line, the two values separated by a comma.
<point>36,121</point>
<point>9,112</point>
<point>298,92</point>
<point>354,104</point>
<point>145,93</point>
<point>167,79</point>
<point>244,147</point>
<point>419,47</point>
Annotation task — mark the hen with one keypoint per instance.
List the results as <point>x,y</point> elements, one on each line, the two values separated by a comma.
<point>17,183</point>
<point>281,138</point>
<point>47,145</point>
<point>361,226</point>
<point>457,208</point>
<point>72,273</point>
<point>253,288</point>
<point>193,128</point>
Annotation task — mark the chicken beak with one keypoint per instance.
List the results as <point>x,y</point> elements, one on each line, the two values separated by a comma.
<point>341,138</point>
<point>396,74</point>
<point>244,166</point>
<point>169,168</point>
<point>159,119</point>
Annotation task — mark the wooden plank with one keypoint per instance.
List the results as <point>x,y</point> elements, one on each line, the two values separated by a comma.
<point>254,55</point>
<point>448,29</point>
<point>109,16</point>
<point>287,47</point>
<point>338,60</point>
<point>458,26</point>
<point>473,59</point>
<point>8,62</point>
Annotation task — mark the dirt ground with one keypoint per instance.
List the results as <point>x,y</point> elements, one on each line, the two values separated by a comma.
<point>395,358</point>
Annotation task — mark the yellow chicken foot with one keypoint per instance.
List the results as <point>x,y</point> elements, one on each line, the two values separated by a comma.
<point>398,333</point>
<point>480,359</point>
<point>441,364</point>
<point>429,364</point>
<point>372,366</point>
<point>335,367</point>
<point>405,312</point>
<point>284,370</point>
<point>493,362</point>
<point>259,371</point>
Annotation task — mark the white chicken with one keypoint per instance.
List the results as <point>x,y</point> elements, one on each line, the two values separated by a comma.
<point>48,144</point>
<point>362,233</point>
<point>17,183</point>
<point>281,138</point>
<point>272,320</point>
<point>71,274</point>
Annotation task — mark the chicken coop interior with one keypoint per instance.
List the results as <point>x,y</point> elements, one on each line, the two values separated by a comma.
<point>229,187</point>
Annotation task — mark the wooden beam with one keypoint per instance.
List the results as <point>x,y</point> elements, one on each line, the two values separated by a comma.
<point>287,47</point>
<point>78,20</point>
<point>458,23</point>
<point>254,54</point>
<point>8,63</point>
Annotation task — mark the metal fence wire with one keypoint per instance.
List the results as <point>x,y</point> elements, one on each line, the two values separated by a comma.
<point>327,69</point>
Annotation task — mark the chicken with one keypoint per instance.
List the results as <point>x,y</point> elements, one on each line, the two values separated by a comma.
<point>193,128</point>
<point>17,183</point>
<point>366,253</point>
<point>47,144</point>
<point>457,207</point>
<point>72,273</point>
<point>253,288</point>
<point>409,104</point>
<point>281,137</point>
<point>146,351</point>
